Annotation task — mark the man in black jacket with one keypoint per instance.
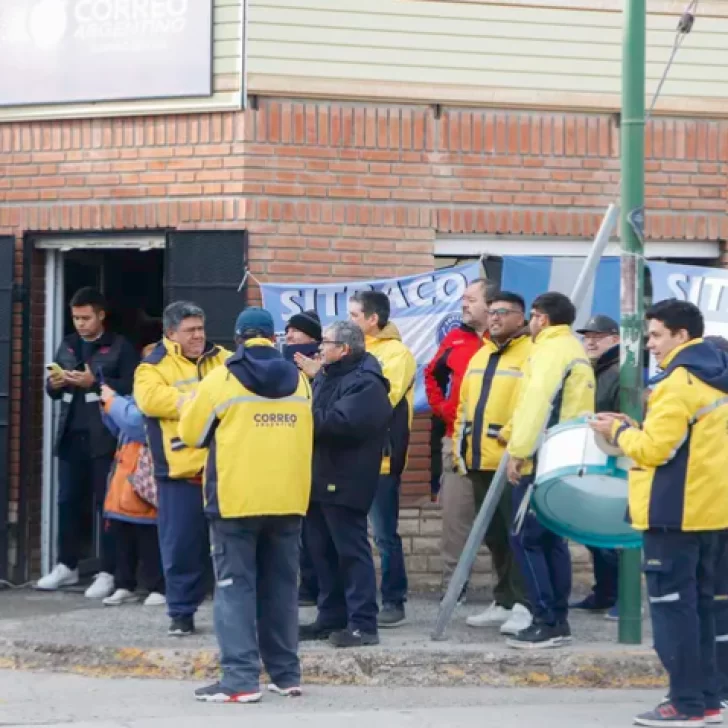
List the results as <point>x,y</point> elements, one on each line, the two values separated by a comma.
<point>351,417</point>
<point>601,342</point>
<point>87,359</point>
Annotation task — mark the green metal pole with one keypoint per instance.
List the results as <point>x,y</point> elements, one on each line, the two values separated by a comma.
<point>632,278</point>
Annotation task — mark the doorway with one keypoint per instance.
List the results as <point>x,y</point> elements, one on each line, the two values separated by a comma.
<point>132,280</point>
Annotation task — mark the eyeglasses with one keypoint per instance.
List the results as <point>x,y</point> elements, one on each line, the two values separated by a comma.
<point>501,311</point>
<point>333,343</point>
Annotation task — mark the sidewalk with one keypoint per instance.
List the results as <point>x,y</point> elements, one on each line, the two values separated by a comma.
<point>66,632</point>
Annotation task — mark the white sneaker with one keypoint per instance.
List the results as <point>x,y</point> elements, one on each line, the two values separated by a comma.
<point>519,620</point>
<point>102,587</point>
<point>493,616</point>
<point>119,597</point>
<point>60,576</point>
<point>155,599</point>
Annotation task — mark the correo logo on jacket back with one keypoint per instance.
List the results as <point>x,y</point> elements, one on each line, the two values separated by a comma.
<point>278,419</point>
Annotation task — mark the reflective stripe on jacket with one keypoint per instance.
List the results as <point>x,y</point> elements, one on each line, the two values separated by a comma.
<point>488,397</point>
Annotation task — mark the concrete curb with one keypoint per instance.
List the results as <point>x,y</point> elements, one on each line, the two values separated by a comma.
<point>578,668</point>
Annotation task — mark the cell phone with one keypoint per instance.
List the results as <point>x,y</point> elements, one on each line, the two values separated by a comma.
<point>54,368</point>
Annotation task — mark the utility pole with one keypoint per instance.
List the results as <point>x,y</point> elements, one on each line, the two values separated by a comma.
<point>632,218</point>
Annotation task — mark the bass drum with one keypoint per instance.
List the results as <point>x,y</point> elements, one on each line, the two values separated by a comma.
<point>580,491</point>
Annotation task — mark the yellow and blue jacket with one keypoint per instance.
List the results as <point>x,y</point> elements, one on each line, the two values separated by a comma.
<point>488,395</point>
<point>557,385</point>
<point>160,381</point>
<point>399,369</point>
<point>678,481</point>
<point>254,416</point>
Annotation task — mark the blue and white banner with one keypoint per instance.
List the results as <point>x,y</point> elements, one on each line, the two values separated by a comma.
<point>705,287</point>
<point>424,308</point>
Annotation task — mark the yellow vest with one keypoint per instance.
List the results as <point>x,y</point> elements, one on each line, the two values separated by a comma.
<point>557,385</point>
<point>159,382</point>
<point>399,368</point>
<point>260,449</point>
<point>679,481</point>
<point>488,396</point>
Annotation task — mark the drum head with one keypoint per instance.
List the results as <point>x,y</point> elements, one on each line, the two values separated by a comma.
<point>589,509</point>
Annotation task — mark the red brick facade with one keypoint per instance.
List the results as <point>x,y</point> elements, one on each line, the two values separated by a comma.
<point>340,191</point>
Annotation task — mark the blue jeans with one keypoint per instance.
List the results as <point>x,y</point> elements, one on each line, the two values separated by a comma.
<point>721,613</point>
<point>680,571</point>
<point>384,515</point>
<point>256,604</point>
<point>183,544</point>
<point>341,552</point>
<point>545,563</point>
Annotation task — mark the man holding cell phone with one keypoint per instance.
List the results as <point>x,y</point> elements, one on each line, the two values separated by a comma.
<point>86,359</point>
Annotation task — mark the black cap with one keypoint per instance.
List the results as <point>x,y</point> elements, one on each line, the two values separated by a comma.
<point>600,324</point>
<point>307,322</point>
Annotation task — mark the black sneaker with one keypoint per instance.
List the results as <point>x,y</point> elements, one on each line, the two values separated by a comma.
<point>592,604</point>
<point>540,636</point>
<point>668,715</point>
<point>218,694</point>
<point>390,615</point>
<point>353,638</point>
<point>181,626</point>
<point>314,632</point>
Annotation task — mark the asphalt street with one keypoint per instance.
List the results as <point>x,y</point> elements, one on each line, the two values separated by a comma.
<point>53,700</point>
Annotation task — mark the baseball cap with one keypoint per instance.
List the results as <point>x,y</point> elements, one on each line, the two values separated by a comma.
<point>255,320</point>
<point>600,324</point>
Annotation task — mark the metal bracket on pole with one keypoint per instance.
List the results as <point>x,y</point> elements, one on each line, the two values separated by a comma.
<point>498,484</point>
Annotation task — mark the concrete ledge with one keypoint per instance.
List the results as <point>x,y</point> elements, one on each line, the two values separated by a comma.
<point>616,668</point>
<point>66,633</point>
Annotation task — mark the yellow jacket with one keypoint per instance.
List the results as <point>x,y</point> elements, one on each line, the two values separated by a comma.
<point>488,396</point>
<point>680,453</point>
<point>557,385</point>
<point>159,383</point>
<point>254,414</point>
<point>399,368</point>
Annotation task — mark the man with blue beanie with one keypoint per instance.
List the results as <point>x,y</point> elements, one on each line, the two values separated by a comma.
<point>254,417</point>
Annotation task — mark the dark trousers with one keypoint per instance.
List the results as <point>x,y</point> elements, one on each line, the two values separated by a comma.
<point>680,572</point>
<point>606,575</point>
<point>81,488</point>
<point>308,587</point>
<point>384,515</point>
<point>721,613</point>
<point>137,554</point>
<point>545,563</point>
<point>509,588</point>
<point>184,545</point>
<point>342,554</point>
<point>256,609</point>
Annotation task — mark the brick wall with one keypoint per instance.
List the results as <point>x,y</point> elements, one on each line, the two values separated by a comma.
<point>339,190</point>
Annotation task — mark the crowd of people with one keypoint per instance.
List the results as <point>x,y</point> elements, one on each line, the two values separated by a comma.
<point>275,463</point>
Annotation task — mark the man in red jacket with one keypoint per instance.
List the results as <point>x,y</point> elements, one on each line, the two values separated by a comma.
<point>443,376</point>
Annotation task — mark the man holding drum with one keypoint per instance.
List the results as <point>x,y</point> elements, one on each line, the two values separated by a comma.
<point>678,495</point>
<point>557,385</point>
